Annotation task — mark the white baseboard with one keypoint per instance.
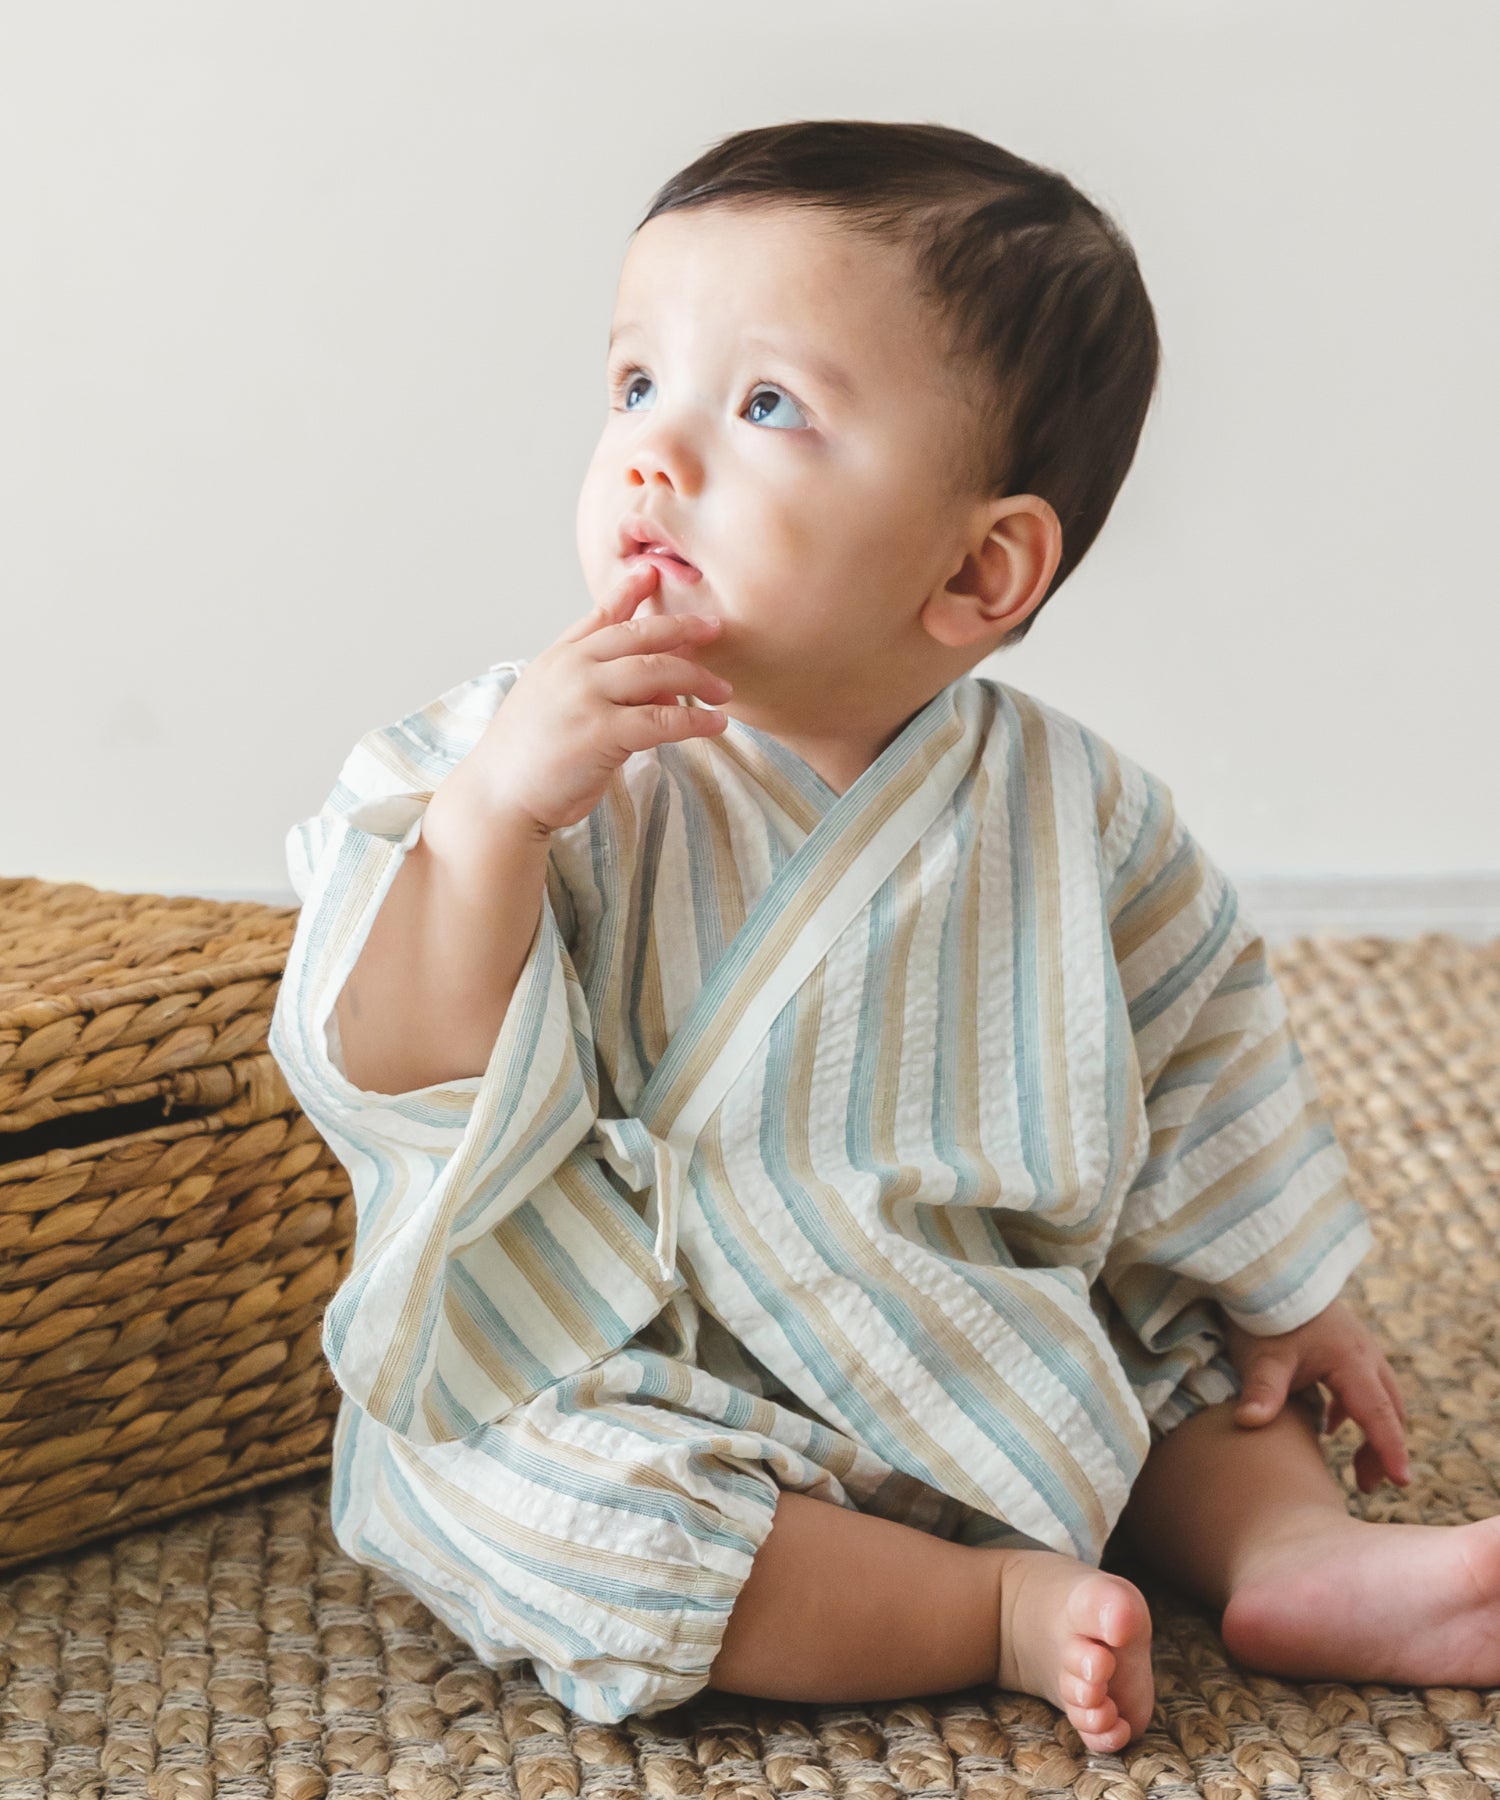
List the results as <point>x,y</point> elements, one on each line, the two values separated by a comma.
<point>1396,906</point>
<point>1467,905</point>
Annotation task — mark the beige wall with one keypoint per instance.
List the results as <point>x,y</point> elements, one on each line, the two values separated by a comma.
<point>302,320</point>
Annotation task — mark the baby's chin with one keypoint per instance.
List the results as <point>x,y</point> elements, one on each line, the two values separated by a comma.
<point>664,599</point>
<point>652,605</point>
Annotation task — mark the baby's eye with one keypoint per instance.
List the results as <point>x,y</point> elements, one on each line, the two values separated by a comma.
<point>767,389</point>
<point>629,389</point>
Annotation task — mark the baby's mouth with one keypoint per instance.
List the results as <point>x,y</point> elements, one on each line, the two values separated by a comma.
<point>666,560</point>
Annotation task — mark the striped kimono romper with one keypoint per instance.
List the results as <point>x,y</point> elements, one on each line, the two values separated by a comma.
<point>905,1147</point>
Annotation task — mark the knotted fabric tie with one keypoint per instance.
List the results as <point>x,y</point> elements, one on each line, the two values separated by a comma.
<point>646,1162</point>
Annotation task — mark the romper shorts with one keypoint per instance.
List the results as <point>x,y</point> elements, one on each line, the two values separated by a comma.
<point>604,1527</point>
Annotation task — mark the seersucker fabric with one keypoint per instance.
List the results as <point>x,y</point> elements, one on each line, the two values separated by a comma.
<point>901,1145</point>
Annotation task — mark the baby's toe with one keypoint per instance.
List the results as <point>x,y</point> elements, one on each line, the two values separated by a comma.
<point>1081,1693</point>
<point>1109,1608</point>
<point>1088,1659</point>
<point>1096,1734</point>
<point>1094,1719</point>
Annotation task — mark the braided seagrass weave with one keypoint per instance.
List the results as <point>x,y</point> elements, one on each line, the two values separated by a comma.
<point>171,1225</point>
<point>240,1650</point>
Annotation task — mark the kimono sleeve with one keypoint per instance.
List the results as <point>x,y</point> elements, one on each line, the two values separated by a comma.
<point>412,1334</point>
<point>1244,1196</point>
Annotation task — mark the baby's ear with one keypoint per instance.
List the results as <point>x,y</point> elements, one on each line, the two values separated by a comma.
<point>1014,555</point>
<point>1025,544</point>
<point>956,620</point>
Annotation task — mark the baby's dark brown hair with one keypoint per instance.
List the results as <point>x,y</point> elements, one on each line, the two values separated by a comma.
<point>1049,324</point>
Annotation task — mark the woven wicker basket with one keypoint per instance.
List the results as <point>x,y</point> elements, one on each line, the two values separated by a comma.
<point>171,1225</point>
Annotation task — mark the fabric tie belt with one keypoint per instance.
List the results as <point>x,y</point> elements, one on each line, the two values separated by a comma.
<point>651,1164</point>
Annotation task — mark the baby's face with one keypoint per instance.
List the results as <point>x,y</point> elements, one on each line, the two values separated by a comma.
<point>780,409</point>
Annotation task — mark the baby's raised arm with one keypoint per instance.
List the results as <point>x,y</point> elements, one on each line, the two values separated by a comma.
<point>429,993</point>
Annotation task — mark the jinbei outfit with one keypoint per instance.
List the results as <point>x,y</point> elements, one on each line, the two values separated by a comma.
<point>899,1147</point>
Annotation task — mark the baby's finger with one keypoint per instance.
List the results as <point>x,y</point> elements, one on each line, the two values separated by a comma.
<point>1388,1376</point>
<point>658,678</point>
<point>1369,1471</point>
<point>619,603</point>
<point>1263,1389</point>
<point>644,727</point>
<point>1364,1395</point>
<point>651,631</point>
<point>1402,1473</point>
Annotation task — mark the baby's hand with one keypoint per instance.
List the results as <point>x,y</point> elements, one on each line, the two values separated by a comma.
<point>1334,1348</point>
<point>605,689</point>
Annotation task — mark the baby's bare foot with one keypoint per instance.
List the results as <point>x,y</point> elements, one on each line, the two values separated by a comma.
<point>1334,1598</point>
<point>1079,1639</point>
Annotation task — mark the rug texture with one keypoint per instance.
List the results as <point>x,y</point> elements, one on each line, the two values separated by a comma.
<point>239,1652</point>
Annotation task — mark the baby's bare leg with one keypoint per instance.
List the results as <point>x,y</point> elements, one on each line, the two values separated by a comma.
<point>1251,1519</point>
<point>844,1605</point>
<point>1213,1493</point>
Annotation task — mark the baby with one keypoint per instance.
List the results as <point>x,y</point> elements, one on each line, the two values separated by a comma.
<point>828,1149</point>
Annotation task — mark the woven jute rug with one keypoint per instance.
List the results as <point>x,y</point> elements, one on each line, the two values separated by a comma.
<point>239,1651</point>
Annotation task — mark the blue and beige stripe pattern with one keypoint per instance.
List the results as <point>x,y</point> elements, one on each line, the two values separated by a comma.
<point>958,1102</point>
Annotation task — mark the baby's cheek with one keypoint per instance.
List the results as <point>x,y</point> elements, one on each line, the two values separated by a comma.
<point>786,536</point>
<point>762,565</point>
<point>831,557</point>
<point>590,519</point>
<point>597,578</point>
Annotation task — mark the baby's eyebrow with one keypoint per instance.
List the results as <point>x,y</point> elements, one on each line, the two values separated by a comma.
<point>826,371</point>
